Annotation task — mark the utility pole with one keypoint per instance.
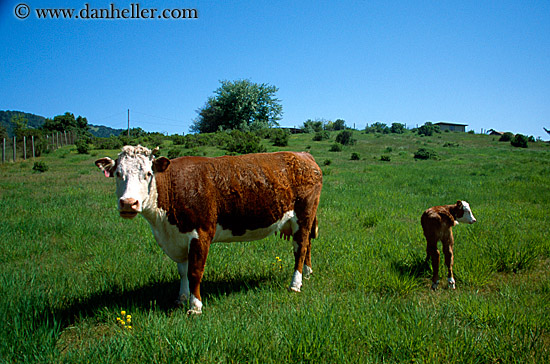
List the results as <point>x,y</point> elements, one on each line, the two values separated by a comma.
<point>128,123</point>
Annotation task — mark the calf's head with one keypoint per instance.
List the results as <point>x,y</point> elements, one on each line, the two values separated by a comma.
<point>134,171</point>
<point>464,213</point>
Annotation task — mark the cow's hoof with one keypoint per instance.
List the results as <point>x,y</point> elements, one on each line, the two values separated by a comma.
<point>294,289</point>
<point>193,312</point>
<point>307,272</point>
<point>452,283</point>
<point>435,285</point>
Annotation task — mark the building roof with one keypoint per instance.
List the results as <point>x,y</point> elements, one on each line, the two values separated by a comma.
<point>447,123</point>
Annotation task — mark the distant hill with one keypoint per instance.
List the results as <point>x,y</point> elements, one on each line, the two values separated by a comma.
<point>36,122</point>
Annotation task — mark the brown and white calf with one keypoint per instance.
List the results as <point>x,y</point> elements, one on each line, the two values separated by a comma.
<point>437,223</point>
<point>191,202</point>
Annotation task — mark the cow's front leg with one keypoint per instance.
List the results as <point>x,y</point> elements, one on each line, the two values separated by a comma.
<point>198,252</point>
<point>300,251</point>
<point>183,296</point>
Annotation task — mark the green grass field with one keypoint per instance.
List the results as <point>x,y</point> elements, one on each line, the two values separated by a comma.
<point>69,265</point>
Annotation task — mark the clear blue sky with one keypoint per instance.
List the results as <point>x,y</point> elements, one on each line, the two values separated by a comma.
<point>481,63</point>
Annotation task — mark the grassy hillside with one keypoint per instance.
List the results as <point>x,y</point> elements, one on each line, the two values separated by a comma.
<point>69,265</point>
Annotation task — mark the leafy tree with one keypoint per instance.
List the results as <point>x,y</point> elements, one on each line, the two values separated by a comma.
<point>3,132</point>
<point>67,122</point>
<point>428,129</point>
<point>21,125</point>
<point>377,128</point>
<point>339,124</point>
<point>244,142</point>
<point>397,128</point>
<point>239,105</point>
<point>313,126</point>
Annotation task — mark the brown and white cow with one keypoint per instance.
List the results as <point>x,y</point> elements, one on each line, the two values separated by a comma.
<point>437,223</point>
<point>193,201</point>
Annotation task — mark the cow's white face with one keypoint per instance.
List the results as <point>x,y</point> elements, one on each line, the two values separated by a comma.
<point>133,170</point>
<point>468,216</point>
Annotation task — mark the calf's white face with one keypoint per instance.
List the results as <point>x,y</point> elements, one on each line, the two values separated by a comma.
<point>468,216</point>
<point>133,171</point>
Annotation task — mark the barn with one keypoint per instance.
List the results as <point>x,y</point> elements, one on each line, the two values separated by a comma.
<point>443,125</point>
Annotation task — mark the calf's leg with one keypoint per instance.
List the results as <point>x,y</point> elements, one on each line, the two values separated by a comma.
<point>433,253</point>
<point>448,243</point>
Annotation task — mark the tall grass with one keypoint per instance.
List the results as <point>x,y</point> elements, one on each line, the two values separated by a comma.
<point>69,265</point>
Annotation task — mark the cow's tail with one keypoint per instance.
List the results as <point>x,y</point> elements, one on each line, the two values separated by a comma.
<point>314,229</point>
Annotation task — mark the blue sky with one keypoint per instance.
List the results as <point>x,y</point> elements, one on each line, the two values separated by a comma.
<point>481,63</point>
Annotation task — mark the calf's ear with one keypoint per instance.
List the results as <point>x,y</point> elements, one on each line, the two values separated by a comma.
<point>107,165</point>
<point>459,204</point>
<point>160,164</point>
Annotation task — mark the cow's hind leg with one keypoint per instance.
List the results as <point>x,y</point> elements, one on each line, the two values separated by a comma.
<point>448,243</point>
<point>433,253</point>
<point>184,284</point>
<point>302,254</point>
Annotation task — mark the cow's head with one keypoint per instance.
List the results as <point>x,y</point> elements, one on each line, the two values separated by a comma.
<point>465,213</point>
<point>134,172</point>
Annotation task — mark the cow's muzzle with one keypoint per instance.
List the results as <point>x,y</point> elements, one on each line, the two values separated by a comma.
<point>128,208</point>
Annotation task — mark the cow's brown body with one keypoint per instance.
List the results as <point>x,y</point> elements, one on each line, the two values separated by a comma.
<point>193,201</point>
<point>437,223</point>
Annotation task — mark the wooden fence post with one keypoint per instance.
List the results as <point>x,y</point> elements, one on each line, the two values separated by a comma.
<point>3,150</point>
<point>14,151</point>
<point>32,141</point>
<point>24,148</point>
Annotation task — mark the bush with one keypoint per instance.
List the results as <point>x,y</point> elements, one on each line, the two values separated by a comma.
<point>355,156</point>
<point>82,146</point>
<point>345,138</point>
<point>423,153</point>
<point>327,162</point>
<point>107,143</point>
<point>335,148</point>
<point>519,141</point>
<point>279,137</point>
<point>506,137</point>
<point>397,128</point>
<point>321,135</point>
<point>385,158</point>
<point>244,143</point>
<point>40,166</point>
<point>428,129</point>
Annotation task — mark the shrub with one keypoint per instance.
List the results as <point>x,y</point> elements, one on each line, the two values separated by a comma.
<point>377,128</point>
<point>279,137</point>
<point>506,137</point>
<point>428,129</point>
<point>40,166</point>
<point>321,135</point>
<point>107,143</point>
<point>82,146</point>
<point>397,128</point>
<point>244,143</point>
<point>355,156</point>
<point>335,148</point>
<point>327,162</point>
<point>345,138</point>
<point>519,141</point>
<point>424,153</point>
<point>385,158</point>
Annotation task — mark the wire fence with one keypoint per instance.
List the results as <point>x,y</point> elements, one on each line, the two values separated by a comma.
<point>14,149</point>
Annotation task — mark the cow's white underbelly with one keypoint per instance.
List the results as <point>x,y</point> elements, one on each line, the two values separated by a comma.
<point>288,224</point>
<point>175,244</point>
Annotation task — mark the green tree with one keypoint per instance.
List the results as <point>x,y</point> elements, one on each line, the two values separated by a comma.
<point>377,127</point>
<point>67,122</point>
<point>519,141</point>
<point>397,128</point>
<point>339,124</point>
<point>428,129</point>
<point>239,105</point>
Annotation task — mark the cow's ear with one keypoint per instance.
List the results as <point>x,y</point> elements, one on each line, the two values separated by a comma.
<point>107,165</point>
<point>459,204</point>
<point>160,164</point>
